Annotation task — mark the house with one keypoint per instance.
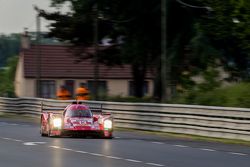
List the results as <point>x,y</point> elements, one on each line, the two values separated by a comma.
<point>55,65</point>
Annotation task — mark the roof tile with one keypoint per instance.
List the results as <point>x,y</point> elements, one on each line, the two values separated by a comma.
<point>58,61</point>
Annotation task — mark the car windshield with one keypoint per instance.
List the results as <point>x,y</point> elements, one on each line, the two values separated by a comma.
<point>78,113</point>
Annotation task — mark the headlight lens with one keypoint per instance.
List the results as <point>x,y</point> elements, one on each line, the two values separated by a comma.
<point>107,124</point>
<point>57,122</point>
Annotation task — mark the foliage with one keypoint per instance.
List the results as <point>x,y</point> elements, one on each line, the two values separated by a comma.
<point>237,95</point>
<point>216,35</point>
<point>116,19</point>
<point>9,46</point>
<point>7,77</point>
<point>129,99</point>
<point>196,36</point>
<point>229,31</point>
<point>211,82</point>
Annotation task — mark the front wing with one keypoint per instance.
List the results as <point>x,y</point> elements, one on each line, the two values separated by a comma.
<point>107,133</point>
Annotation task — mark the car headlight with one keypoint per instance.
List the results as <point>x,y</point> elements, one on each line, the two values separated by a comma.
<point>57,122</point>
<point>107,124</point>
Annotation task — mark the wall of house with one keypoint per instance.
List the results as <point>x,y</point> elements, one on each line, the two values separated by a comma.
<point>30,88</point>
<point>114,87</point>
<point>19,78</point>
<point>23,87</point>
<point>121,87</point>
<point>117,87</point>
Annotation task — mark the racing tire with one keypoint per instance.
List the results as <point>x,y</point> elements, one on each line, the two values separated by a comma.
<point>49,129</point>
<point>102,136</point>
<point>111,137</point>
<point>49,133</point>
<point>42,131</point>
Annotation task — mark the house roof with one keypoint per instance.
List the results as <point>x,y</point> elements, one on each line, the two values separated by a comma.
<point>58,61</point>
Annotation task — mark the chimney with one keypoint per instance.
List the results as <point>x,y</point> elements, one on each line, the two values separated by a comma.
<point>25,40</point>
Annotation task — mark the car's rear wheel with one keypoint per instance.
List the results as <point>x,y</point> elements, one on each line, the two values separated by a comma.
<point>42,132</point>
<point>49,130</point>
<point>42,129</point>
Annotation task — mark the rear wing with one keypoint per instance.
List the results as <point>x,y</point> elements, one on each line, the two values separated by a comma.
<point>96,108</point>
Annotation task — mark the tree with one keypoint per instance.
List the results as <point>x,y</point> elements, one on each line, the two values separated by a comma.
<point>9,46</point>
<point>228,30</point>
<point>7,77</point>
<point>132,20</point>
<point>197,33</point>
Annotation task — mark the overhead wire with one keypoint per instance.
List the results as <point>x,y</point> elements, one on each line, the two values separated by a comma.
<point>194,6</point>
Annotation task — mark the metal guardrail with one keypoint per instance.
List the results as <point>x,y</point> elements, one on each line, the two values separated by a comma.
<point>221,122</point>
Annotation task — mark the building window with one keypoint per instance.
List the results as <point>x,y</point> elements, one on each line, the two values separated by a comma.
<point>102,88</point>
<point>48,89</point>
<point>70,86</point>
<point>132,88</point>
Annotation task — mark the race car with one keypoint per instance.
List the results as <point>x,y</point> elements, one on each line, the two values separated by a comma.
<point>77,120</point>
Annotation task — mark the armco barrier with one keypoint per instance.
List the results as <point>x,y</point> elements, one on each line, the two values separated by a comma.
<point>222,122</point>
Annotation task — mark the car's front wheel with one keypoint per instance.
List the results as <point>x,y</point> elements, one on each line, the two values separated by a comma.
<point>106,135</point>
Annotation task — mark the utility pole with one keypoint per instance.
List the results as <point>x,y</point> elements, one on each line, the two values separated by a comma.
<point>165,62</point>
<point>38,56</point>
<point>96,64</point>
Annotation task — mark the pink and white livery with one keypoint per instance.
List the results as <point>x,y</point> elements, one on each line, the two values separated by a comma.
<point>77,120</point>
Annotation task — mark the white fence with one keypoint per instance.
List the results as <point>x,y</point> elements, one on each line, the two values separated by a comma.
<point>232,123</point>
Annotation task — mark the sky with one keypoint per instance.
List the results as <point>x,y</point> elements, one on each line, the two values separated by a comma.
<point>15,15</point>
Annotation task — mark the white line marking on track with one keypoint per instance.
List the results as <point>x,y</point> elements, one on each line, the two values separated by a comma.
<point>106,156</point>
<point>13,124</point>
<point>117,137</point>
<point>54,147</point>
<point>154,164</point>
<point>182,146</point>
<point>95,154</point>
<point>112,157</point>
<point>133,160</point>
<point>67,149</point>
<point>17,140</point>
<point>82,152</point>
<point>207,149</point>
<point>157,142</point>
<point>10,139</point>
<point>235,153</point>
<point>33,143</point>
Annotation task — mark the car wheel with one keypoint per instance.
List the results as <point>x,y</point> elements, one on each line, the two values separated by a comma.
<point>49,131</point>
<point>42,129</point>
<point>42,132</point>
<point>106,137</point>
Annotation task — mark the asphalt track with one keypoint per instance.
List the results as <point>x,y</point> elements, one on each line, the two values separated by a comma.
<point>22,146</point>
